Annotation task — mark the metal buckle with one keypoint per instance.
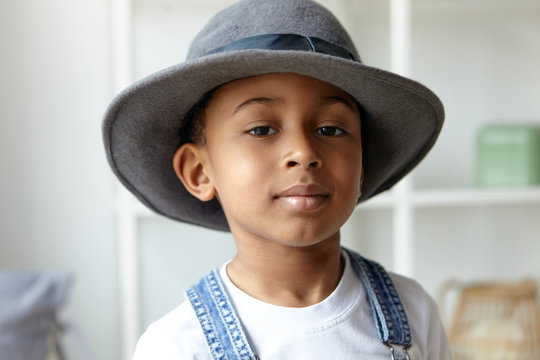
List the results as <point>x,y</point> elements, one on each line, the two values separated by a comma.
<point>392,352</point>
<point>406,354</point>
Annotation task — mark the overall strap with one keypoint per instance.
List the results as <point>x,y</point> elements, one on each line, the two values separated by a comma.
<point>386,306</point>
<point>221,326</point>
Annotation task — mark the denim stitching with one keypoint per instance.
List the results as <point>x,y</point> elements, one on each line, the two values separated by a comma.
<point>388,311</point>
<point>207,325</point>
<point>229,317</point>
<point>221,326</point>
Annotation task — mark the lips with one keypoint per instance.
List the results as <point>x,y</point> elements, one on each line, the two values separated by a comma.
<point>302,198</point>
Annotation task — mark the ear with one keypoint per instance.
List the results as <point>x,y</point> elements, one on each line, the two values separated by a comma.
<point>189,165</point>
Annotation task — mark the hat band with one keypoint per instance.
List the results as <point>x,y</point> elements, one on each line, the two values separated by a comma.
<point>287,42</point>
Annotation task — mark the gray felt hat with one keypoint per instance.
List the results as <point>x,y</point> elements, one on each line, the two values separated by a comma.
<point>142,126</point>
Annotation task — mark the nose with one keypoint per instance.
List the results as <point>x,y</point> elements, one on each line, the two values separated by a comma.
<point>302,152</point>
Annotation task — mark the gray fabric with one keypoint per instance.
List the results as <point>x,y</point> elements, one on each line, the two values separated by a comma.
<point>142,125</point>
<point>29,302</point>
<point>251,18</point>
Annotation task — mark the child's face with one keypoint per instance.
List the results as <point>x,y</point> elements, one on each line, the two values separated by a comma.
<point>283,154</point>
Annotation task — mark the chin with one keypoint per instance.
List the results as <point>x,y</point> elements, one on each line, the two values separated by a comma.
<point>306,237</point>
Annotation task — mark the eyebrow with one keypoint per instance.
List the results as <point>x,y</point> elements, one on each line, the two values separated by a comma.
<point>339,100</point>
<point>258,100</point>
<point>325,100</point>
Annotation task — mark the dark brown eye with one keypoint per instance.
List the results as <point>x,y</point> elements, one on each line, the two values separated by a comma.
<point>330,131</point>
<point>262,131</point>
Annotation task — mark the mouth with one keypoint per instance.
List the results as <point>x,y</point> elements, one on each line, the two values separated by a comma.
<point>303,198</point>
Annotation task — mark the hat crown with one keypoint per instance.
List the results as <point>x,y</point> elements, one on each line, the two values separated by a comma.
<point>250,18</point>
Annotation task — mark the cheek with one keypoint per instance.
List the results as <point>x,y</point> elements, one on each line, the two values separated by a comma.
<point>241,172</point>
<point>350,168</point>
<point>250,167</point>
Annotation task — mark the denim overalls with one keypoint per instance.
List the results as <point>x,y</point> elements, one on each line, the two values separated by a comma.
<point>225,336</point>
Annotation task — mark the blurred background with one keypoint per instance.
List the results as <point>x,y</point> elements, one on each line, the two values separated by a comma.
<point>456,217</point>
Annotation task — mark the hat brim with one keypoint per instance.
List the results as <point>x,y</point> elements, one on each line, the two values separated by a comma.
<point>142,125</point>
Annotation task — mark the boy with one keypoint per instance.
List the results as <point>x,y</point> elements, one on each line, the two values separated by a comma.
<point>273,129</point>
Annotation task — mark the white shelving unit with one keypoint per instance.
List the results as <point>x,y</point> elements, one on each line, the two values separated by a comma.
<point>122,76</point>
<point>461,197</point>
<point>403,202</point>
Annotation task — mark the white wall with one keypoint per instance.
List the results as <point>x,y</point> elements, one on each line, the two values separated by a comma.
<point>56,191</point>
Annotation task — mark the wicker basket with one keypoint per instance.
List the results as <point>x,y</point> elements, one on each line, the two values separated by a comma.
<point>496,321</point>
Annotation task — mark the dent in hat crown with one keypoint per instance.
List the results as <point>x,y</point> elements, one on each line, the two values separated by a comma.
<point>250,18</point>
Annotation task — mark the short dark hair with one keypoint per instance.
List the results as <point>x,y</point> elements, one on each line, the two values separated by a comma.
<point>194,123</point>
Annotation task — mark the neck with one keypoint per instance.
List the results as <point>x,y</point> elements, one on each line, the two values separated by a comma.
<point>285,275</point>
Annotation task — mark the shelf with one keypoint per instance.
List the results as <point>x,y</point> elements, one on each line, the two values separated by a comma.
<point>476,197</point>
<point>459,197</point>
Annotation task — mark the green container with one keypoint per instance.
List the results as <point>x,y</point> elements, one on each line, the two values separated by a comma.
<point>508,155</point>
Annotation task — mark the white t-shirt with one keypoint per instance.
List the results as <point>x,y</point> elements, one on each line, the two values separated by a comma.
<point>339,327</point>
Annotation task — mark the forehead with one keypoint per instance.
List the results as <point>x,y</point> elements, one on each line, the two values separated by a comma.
<point>285,87</point>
